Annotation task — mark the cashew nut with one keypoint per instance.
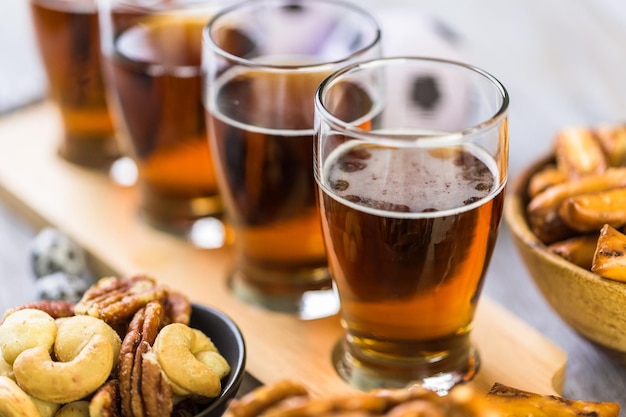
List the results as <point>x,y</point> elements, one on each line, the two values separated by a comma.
<point>14,402</point>
<point>215,361</point>
<point>6,369</point>
<point>74,409</point>
<point>46,408</point>
<point>64,382</point>
<point>25,329</point>
<point>178,348</point>
<point>74,332</point>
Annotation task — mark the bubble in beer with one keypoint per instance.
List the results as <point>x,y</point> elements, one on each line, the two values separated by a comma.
<point>340,185</point>
<point>351,161</point>
<point>417,180</point>
<point>347,165</point>
<point>378,204</point>
<point>471,200</point>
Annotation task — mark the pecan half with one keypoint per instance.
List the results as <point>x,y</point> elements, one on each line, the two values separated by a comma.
<point>144,389</point>
<point>115,300</point>
<point>55,308</point>
<point>155,387</point>
<point>177,308</point>
<point>106,401</point>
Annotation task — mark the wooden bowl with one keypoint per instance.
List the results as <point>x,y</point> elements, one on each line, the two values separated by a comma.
<point>593,306</point>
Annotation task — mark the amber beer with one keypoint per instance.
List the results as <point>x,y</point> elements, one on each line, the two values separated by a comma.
<point>68,36</point>
<point>264,162</point>
<point>410,233</point>
<point>156,69</point>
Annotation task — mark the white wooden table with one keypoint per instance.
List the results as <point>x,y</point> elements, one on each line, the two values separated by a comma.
<point>563,63</point>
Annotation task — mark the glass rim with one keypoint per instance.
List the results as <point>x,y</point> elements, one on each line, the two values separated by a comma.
<point>207,39</point>
<point>411,139</point>
<point>163,6</point>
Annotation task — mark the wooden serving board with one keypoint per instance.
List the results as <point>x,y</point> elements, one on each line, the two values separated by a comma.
<point>102,217</point>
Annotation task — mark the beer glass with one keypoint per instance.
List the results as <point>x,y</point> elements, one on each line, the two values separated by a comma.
<point>152,60</point>
<point>411,159</point>
<point>68,39</point>
<point>264,60</point>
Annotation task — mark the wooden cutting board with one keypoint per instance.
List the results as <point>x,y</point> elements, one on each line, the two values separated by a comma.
<point>102,217</point>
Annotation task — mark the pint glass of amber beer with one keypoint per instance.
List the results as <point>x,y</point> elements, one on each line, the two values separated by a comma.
<point>411,163</point>
<point>152,60</point>
<point>264,60</point>
<point>68,39</point>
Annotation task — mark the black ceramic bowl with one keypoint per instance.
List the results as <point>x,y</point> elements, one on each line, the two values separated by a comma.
<point>230,343</point>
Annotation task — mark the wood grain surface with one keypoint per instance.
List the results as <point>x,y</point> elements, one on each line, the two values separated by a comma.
<point>101,216</point>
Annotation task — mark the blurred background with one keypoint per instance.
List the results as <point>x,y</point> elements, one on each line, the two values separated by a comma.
<point>562,62</point>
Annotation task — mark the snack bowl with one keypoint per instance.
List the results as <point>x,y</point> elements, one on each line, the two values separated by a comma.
<point>595,307</point>
<point>229,341</point>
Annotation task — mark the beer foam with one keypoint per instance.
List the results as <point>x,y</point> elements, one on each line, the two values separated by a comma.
<point>403,182</point>
<point>69,6</point>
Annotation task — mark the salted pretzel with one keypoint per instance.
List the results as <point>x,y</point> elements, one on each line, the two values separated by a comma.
<point>579,195</point>
<point>288,398</point>
<point>515,402</point>
<point>291,399</point>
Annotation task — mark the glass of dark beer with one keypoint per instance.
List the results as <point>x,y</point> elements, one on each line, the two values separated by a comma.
<point>411,159</point>
<point>152,60</point>
<point>69,45</point>
<point>264,60</point>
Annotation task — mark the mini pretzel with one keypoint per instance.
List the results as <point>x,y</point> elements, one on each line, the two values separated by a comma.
<point>264,397</point>
<point>374,403</point>
<point>14,402</point>
<point>543,209</point>
<point>358,402</point>
<point>179,350</point>
<point>421,408</point>
<point>510,401</point>
<point>578,153</point>
<point>290,399</point>
<point>25,329</point>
